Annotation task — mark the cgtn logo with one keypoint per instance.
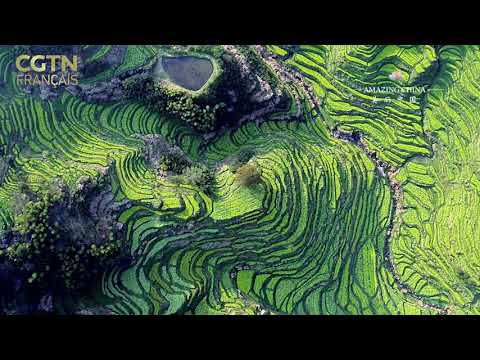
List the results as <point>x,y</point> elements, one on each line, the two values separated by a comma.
<point>54,70</point>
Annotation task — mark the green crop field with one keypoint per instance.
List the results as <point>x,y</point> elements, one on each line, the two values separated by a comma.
<point>367,203</point>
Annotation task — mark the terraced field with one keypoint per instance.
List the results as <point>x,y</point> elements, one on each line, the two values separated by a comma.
<point>310,238</point>
<point>435,237</point>
<point>386,224</point>
<point>343,77</point>
<point>437,244</point>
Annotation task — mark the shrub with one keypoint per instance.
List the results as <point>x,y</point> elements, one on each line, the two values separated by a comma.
<point>248,174</point>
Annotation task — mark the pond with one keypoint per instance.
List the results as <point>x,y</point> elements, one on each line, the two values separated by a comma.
<point>189,72</point>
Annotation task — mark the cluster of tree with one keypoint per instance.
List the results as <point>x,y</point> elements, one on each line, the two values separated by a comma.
<point>197,175</point>
<point>163,156</point>
<point>173,102</point>
<point>240,82</point>
<point>261,69</point>
<point>56,245</point>
<point>168,158</point>
<point>231,81</point>
<point>227,99</point>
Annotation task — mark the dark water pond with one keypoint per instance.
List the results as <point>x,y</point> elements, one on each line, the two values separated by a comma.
<point>189,72</point>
